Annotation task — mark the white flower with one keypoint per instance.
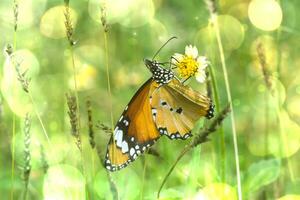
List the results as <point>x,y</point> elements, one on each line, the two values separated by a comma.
<point>190,63</point>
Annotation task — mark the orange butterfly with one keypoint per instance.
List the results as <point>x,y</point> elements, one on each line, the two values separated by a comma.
<point>162,106</point>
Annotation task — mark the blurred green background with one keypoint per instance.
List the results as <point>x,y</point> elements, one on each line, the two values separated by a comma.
<point>267,122</point>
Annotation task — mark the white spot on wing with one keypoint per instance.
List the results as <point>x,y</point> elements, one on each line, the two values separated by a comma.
<point>132,151</point>
<point>134,156</point>
<point>119,137</point>
<point>124,147</point>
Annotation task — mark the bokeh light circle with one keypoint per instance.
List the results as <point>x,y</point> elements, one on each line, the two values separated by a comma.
<point>290,197</point>
<point>259,91</point>
<point>282,138</point>
<point>140,13</point>
<point>64,182</point>
<point>129,13</point>
<point>36,141</point>
<point>270,53</point>
<point>219,191</point>
<point>265,14</point>
<point>11,88</point>
<point>28,13</point>
<point>115,9</point>
<point>52,22</point>
<point>232,35</point>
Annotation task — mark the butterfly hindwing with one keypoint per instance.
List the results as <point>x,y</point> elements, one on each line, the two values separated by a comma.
<point>176,108</point>
<point>134,132</point>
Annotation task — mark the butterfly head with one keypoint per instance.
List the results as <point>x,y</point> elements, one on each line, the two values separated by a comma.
<point>159,73</point>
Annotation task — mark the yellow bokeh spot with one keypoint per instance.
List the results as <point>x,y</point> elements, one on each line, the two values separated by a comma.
<point>86,57</point>
<point>290,197</point>
<point>220,191</point>
<point>86,77</point>
<point>52,23</point>
<point>270,52</point>
<point>293,106</point>
<point>265,14</point>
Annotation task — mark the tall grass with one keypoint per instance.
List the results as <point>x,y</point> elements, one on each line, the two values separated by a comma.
<point>16,13</point>
<point>272,88</point>
<point>73,102</point>
<point>212,7</point>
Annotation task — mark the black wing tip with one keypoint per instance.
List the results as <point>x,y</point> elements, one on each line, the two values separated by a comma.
<point>174,136</point>
<point>210,112</point>
<point>138,151</point>
<point>113,168</point>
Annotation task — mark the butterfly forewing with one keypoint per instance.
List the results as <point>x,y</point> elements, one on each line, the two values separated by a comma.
<point>134,132</point>
<point>176,108</point>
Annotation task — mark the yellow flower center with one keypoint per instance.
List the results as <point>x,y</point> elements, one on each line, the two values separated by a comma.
<point>187,67</point>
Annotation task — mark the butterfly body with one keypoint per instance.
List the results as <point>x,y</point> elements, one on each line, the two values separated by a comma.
<point>159,74</point>
<point>162,106</point>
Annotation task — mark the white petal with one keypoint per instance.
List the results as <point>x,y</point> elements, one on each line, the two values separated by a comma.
<point>202,62</point>
<point>177,57</point>
<point>200,76</point>
<point>191,51</point>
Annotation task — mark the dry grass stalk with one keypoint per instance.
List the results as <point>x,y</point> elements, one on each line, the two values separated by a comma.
<point>90,124</point>
<point>266,73</point>
<point>21,75</point>
<point>104,18</point>
<point>72,106</point>
<point>68,24</point>
<point>16,14</point>
<point>211,6</point>
<point>44,162</point>
<point>27,155</point>
<point>209,86</point>
<point>104,128</point>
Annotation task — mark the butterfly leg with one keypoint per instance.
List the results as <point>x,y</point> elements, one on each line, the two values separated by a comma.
<point>182,82</point>
<point>174,66</point>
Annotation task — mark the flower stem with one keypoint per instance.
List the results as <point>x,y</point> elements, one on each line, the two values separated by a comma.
<point>108,79</point>
<point>233,126</point>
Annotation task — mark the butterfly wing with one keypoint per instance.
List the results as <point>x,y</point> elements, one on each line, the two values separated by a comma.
<point>134,132</point>
<point>176,108</point>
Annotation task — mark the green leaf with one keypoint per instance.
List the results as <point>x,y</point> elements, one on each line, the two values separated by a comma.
<point>260,174</point>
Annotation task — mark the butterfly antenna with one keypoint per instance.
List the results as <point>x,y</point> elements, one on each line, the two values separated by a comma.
<point>163,46</point>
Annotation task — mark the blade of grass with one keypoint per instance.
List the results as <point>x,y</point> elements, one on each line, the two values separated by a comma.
<point>16,12</point>
<point>214,19</point>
